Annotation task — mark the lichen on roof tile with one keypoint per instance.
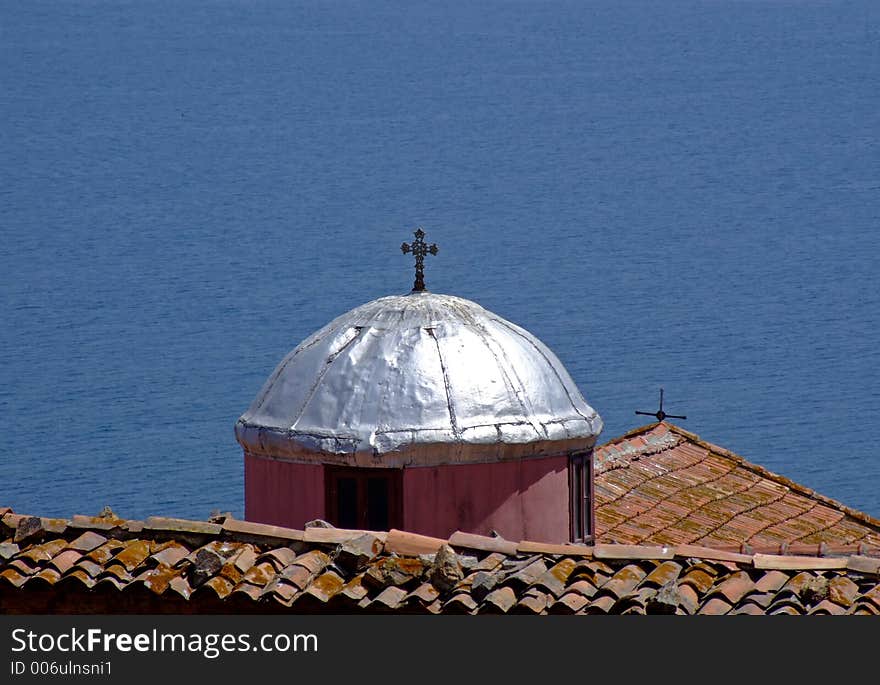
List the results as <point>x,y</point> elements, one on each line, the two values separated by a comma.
<point>199,571</point>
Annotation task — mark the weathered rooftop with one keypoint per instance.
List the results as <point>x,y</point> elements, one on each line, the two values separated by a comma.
<point>665,486</point>
<point>106,564</point>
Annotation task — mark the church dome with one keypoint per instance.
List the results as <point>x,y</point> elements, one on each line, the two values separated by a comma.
<point>419,379</point>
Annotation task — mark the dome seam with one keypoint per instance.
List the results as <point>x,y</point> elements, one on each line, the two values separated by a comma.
<point>323,373</point>
<point>452,419</point>
<point>550,364</point>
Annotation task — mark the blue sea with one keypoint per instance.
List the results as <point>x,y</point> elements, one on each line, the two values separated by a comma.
<point>681,194</point>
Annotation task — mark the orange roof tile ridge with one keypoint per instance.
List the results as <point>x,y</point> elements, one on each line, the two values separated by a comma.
<point>621,454</point>
<point>635,432</point>
<point>863,558</point>
<point>860,516</point>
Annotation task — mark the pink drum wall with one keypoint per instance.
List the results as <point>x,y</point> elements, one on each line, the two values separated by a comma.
<point>282,493</point>
<point>521,500</point>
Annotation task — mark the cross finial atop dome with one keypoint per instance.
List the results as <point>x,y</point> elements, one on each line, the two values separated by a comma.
<point>419,248</point>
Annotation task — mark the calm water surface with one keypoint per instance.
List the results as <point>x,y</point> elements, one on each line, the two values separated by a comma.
<point>683,194</point>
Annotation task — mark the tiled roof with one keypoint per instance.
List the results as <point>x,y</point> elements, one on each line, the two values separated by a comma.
<point>109,565</point>
<point>662,485</point>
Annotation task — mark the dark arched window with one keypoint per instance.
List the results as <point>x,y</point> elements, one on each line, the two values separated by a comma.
<point>363,499</point>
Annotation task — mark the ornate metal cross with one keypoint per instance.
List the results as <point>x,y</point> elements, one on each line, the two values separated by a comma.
<point>419,248</point>
<point>660,414</point>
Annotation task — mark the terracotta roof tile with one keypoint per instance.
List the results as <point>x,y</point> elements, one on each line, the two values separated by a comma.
<point>280,589</point>
<point>116,572</point>
<point>260,574</point>
<point>23,565</point>
<point>872,595</point>
<point>181,586</point>
<point>394,570</point>
<point>173,525</point>
<point>534,602</point>
<point>218,585</point>
<point>785,610</point>
<point>424,593</point>
<point>699,578</point>
<point>771,582</point>
<point>158,579</point>
<point>133,554</point>
<point>401,542</point>
<point>390,597</point>
<point>664,573</point>
<point>663,485</point>
<point>748,609</point>
<point>170,554</point>
<point>734,587</point>
<point>460,603</point>
<point>326,586</point>
<point>105,552</point>
<point>8,550</point>
<point>64,561</point>
<point>631,552</point>
<point>569,603</point>
<point>14,577</point>
<point>248,590</point>
<point>828,608</point>
<point>481,584</point>
<point>89,567</point>
<point>363,573</point>
<point>715,607</point>
<point>601,605</point>
<point>529,547</point>
<point>49,576</point>
<point>769,561</point>
<point>864,610</point>
<point>280,557</point>
<point>760,599</point>
<point>460,539</point>
<point>553,580</point>
<point>499,600</point>
<point>108,522</point>
<point>76,575</point>
<point>110,581</point>
<point>245,530</point>
<point>787,605</point>
<point>491,562</point>
<point>44,551</point>
<point>623,581</point>
<point>298,576</point>
<point>796,583</point>
<point>354,590</point>
<point>583,587</point>
<point>88,541</point>
<point>526,576</point>
<point>842,591</point>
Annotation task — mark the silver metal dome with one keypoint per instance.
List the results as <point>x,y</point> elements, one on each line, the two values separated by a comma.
<point>418,379</point>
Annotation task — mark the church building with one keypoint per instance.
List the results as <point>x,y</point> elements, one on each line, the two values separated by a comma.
<point>422,412</point>
<point>457,463</point>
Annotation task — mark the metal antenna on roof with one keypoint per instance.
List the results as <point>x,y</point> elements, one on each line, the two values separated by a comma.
<point>419,248</point>
<point>660,414</point>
